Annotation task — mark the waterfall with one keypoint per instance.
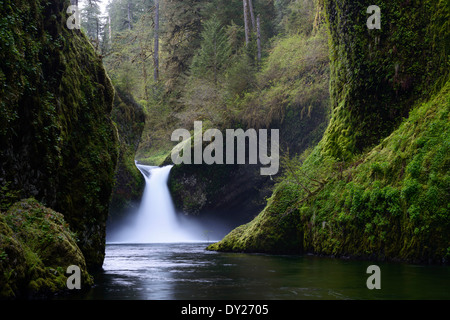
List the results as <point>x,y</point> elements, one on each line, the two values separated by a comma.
<point>156,219</point>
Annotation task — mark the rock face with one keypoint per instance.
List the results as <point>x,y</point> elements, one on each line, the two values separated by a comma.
<point>36,248</point>
<point>385,194</point>
<point>57,141</point>
<point>129,182</point>
<point>377,75</point>
<point>232,192</point>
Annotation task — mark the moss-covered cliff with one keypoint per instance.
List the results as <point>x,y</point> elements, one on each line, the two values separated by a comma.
<point>58,143</point>
<point>129,183</point>
<point>378,75</point>
<point>377,183</point>
<point>390,203</point>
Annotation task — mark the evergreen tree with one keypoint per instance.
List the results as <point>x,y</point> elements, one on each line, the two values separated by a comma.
<point>106,35</point>
<point>90,21</point>
<point>182,27</point>
<point>214,52</point>
<point>126,13</point>
<point>128,59</point>
<point>231,11</point>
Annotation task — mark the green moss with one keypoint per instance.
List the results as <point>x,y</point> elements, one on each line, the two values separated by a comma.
<point>275,230</point>
<point>37,247</point>
<point>377,75</point>
<point>386,205</point>
<point>388,138</point>
<point>58,143</point>
<point>129,182</point>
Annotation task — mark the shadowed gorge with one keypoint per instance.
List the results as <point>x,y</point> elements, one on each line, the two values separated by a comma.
<point>58,143</point>
<point>224,149</point>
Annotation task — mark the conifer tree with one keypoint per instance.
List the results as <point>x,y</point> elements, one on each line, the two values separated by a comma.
<point>214,52</point>
<point>182,20</point>
<point>90,21</point>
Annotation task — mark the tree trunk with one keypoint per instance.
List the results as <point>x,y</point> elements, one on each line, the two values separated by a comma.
<point>109,29</point>
<point>246,22</point>
<point>129,16</point>
<point>144,73</point>
<point>97,34</point>
<point>258,33</point>
<point>156,49</point>
<point>252,15</point>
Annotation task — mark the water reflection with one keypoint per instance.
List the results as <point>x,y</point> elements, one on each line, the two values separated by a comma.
<point>187,271</point>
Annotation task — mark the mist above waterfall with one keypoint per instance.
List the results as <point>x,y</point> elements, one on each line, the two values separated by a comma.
<point>156,219</point>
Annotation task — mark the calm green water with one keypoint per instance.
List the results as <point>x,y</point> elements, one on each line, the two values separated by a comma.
<point>186,271</point>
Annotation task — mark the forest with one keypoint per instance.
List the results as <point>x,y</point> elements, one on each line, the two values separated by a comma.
<point>188,61</point>
<point>362,116</point>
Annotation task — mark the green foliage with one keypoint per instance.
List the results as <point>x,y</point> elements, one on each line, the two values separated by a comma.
<point>7,196</point>
<point>129,56</point>
<point>203,96</point>
<point>230,13</point>
<point>294,77</point>
<point>182,28</point>
<point>300,17</point>
<point>118,11</point>
<point>90,21</point>
<point>240,78</point>
<point>211,59</point>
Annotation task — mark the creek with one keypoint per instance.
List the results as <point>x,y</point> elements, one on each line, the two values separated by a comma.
<point>157,256</point>
<point>186,271</point>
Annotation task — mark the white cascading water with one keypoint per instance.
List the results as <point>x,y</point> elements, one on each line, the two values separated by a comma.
<point>156,220</point>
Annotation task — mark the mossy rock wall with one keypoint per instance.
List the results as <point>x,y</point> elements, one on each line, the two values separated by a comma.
<point>58,143</point>
<point>387,196</point>
<point>36,247</point>
<point>377,75</point>
<point>225,189</point>
<point>129,184</point>
<point>270,231</point>
<point>389,204</point>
